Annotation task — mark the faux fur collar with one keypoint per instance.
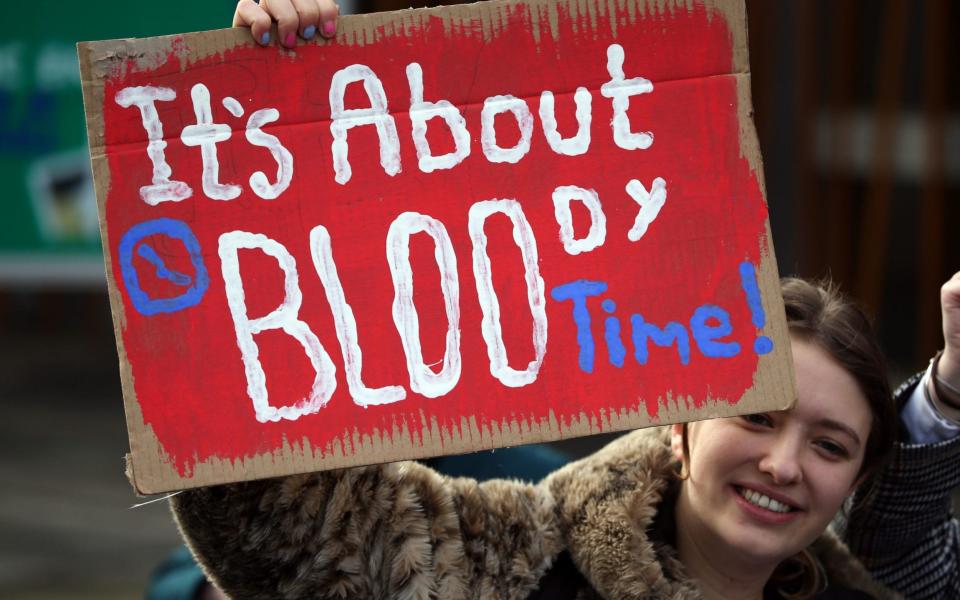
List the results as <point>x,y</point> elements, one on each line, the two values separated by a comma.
<point>606,504</point>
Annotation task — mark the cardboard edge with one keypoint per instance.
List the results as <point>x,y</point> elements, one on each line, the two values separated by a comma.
<point>768,273</point>
<point>734,12</point>
<point>93,96</point>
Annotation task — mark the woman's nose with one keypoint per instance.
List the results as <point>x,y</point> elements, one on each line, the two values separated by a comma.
<point>781,461</point>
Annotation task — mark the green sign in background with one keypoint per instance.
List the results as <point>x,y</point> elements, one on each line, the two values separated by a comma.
<point>48,229</point>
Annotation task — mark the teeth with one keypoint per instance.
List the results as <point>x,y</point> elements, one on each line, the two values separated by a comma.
<point>754,497</point>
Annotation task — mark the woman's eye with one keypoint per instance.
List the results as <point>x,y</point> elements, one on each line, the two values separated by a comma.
<point>833,448</point>
<point>758,419</point>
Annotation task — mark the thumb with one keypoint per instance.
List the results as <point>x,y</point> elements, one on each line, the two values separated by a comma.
<point>950,306</point>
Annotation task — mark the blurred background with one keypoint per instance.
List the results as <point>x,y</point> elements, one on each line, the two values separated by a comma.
<point>858,113</point>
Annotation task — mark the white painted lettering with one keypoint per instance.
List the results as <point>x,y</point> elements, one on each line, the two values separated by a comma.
<point>420,114</point>
<point>490,305</point>
<point>650,204</point>
<point>233,106</point>
<point>284,317</point>
<point>162,189</point>
<point>346,325</point>
<point>494,106</point>
<point>620,90</point>
<point>342,120</point>
<point>578,144</point>
<point>422,379</point>
<point>255,135</point>
<point>562,197</point>
<point>207,135</point>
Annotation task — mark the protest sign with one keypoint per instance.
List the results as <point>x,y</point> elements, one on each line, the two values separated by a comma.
<point>446,230</point>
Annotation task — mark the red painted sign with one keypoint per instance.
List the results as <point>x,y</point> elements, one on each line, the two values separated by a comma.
<point>447,230</point>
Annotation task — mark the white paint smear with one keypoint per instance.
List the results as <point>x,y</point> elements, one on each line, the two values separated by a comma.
<point>422,379</point>
<point>259,183</point>
<point>420,114</point>
<point>284,317</point>
<point>343,120</point>
<point>562,197</point>
<point>346,325</point>
<point>578,144</point>
<point>650,204</point>
<point>493,106</point>
<point>207,135</point>
<point>490,305</point>
<point>620,90</point>
<point>162,188</point>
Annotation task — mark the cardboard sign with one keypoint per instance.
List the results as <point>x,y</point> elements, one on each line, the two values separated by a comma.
<point>448,230</point>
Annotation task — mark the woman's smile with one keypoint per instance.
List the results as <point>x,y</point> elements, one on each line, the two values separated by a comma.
<point>764,508</point>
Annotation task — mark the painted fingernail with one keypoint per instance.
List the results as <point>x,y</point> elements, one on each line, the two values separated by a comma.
<point>265,38</point>
<point>290,40</point>
<point>329,28</point>
<point>309,32</point>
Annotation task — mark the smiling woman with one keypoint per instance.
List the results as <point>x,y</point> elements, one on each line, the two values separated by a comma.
<point>767,485</point>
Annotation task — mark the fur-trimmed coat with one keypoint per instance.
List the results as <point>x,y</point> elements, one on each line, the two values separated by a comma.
<point>403,531</point>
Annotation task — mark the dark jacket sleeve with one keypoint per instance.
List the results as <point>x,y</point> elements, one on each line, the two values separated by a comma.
<point>903,529</point>
<point>398,530</point>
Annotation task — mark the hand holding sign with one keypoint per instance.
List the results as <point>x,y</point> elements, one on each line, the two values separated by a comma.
<point>304,17</point>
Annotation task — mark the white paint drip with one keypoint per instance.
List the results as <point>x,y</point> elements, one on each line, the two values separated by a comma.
<point>207,135</point>
<point>620,90</point>
<point>420,114</point>
<point>578,144</point>
<point>342,120</point>
<point>493,106</point>
<point>562,197</point>
<point>650,204</point>
<point>490,305</point>
<point>422,379</point>
<point>346,325</point>
<point>162,188</point>
<point>259,183</point>
<point>284,317</point>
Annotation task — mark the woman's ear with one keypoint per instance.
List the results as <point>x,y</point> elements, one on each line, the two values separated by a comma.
<point>676,441</point>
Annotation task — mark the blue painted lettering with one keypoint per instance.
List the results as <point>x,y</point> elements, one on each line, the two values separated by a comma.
<point>616,351</point>
<point>578,292</point>
<point>673,333</point>
<point>748,279</point>
<point>706,335</point>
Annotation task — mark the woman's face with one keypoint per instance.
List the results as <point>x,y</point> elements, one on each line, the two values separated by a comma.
<point>767,485</point>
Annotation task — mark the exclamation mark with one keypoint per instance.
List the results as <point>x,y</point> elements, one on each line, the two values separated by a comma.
<point>748,279</point>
